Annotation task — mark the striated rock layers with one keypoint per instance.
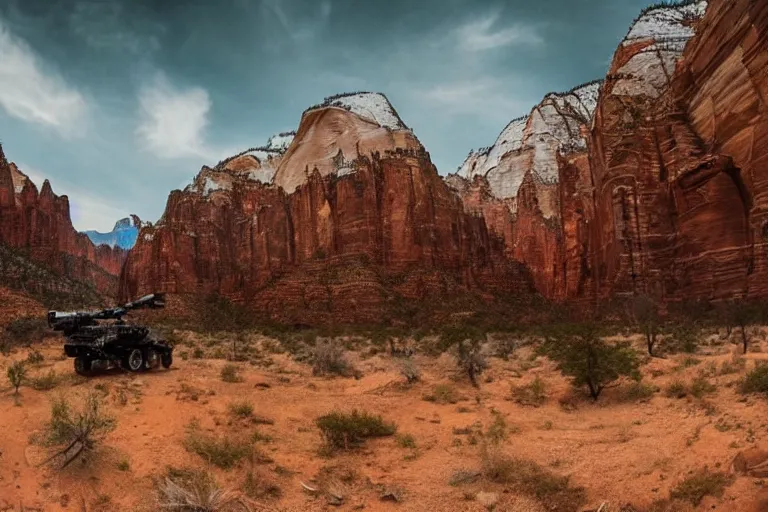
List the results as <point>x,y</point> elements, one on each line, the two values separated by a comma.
<point>653,181</point>
<point>39,225</point>
<point>530,188</point>
<point>679,151</point>
<point>355,220</point>
<point>658,186</point>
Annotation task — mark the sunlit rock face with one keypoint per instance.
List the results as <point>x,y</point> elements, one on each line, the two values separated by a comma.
<point>39,225</point>
<point>354,217</point>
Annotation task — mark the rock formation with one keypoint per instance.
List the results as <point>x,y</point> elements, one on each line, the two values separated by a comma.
<point>39,225</point>
<point>123,235</point>
<point>519,186</point>
<point>652,181</point>
<point>678,149</point>
<point>355,221</point>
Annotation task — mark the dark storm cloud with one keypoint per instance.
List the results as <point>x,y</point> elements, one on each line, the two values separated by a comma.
<point>119,101</point>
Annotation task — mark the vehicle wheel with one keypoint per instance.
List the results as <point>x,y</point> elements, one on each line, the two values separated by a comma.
<point>82,366</point>
<point>135,360</point>
<point>166,359</point>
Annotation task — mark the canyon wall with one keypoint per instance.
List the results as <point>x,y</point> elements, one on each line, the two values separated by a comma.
<point>679,149</point>
<point>652,181</point>
<point>38,225</point>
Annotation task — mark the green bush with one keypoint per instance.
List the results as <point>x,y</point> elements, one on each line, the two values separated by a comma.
<point>638,391</point>
<point>77,431</point>
<point>701,386</point>
<point>756,380</point>
<point>230,373</point>
<point>328,358</point>
<point>45,382</point>
<point>26,329</point>
<point>583,355</point>
<point>676,389</point>
<point>35,357</point>
<point>443,394</point>
<point>348,430</point>
<point>700,484</point>
<point>225,452</point>
<point>17,373</point>
<point>242,409</point>
<point>533,394</point>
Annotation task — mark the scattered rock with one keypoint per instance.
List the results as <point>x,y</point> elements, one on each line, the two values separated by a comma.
<point>487,499</point>
<point>392,494</point>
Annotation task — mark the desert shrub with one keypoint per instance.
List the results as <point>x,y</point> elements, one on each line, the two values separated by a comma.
<point>742,314</point>
<point>497,430</point>
<point>231,373</point>
<point>735,365</point>
<point>258,487</point>
<point>443,394</point>
<point>646,314</point>
<point>45,382</point>
<point>637,391</point>
<point>756,380</point>
<point>405,441</point>
<point>35,357</point>
<point>676,389</point>
<point>583,355</point>
<point>410,371</point>
<point>527,477</point>
<point>700,484</point>
<point>701,386</point>
<point>17,373</point>
<point>197,492</point>
<point>243,409</point>
<point>225,452</point>
<point>78,431</point>
<point>348,430</point>
<point>25,330</point>
<point>123,465</point>
<point>533,394</point>
<point>468,341</point>
<point>684,338</point>
<point>328,358</point>
<point>198,353</point>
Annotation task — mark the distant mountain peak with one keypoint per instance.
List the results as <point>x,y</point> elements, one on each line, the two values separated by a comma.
<point>372,106</point>
<point>123,235</point>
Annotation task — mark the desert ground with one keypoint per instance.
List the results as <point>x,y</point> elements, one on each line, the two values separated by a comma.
<point>627,450</point>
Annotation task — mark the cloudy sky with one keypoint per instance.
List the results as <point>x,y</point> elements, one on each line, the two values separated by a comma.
<point>118,102</point>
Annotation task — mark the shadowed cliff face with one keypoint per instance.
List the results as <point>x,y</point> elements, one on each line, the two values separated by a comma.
<point>679,169</point>
<point>39,225</point>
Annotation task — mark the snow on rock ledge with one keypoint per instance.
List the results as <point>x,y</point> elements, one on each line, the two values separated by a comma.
<point>671,24</point>
<point>665,30</point>
<point>531,143</point>
<point>372,106</point>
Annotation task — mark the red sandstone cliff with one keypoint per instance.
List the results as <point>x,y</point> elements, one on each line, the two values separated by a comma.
<point>529,187</point>
<point>39,225</point>
<point>371,224</point>
<point>679,149</point>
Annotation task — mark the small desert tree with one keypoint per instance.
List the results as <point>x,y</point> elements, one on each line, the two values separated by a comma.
<point>468,342</point>
<point>742,314</point>
<point>75,433</point>
<point>17,372</point>
<point>646,315</point>
<point>583,355</point>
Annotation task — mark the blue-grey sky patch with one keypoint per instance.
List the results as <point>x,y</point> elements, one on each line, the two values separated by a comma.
<point>120,101</point>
